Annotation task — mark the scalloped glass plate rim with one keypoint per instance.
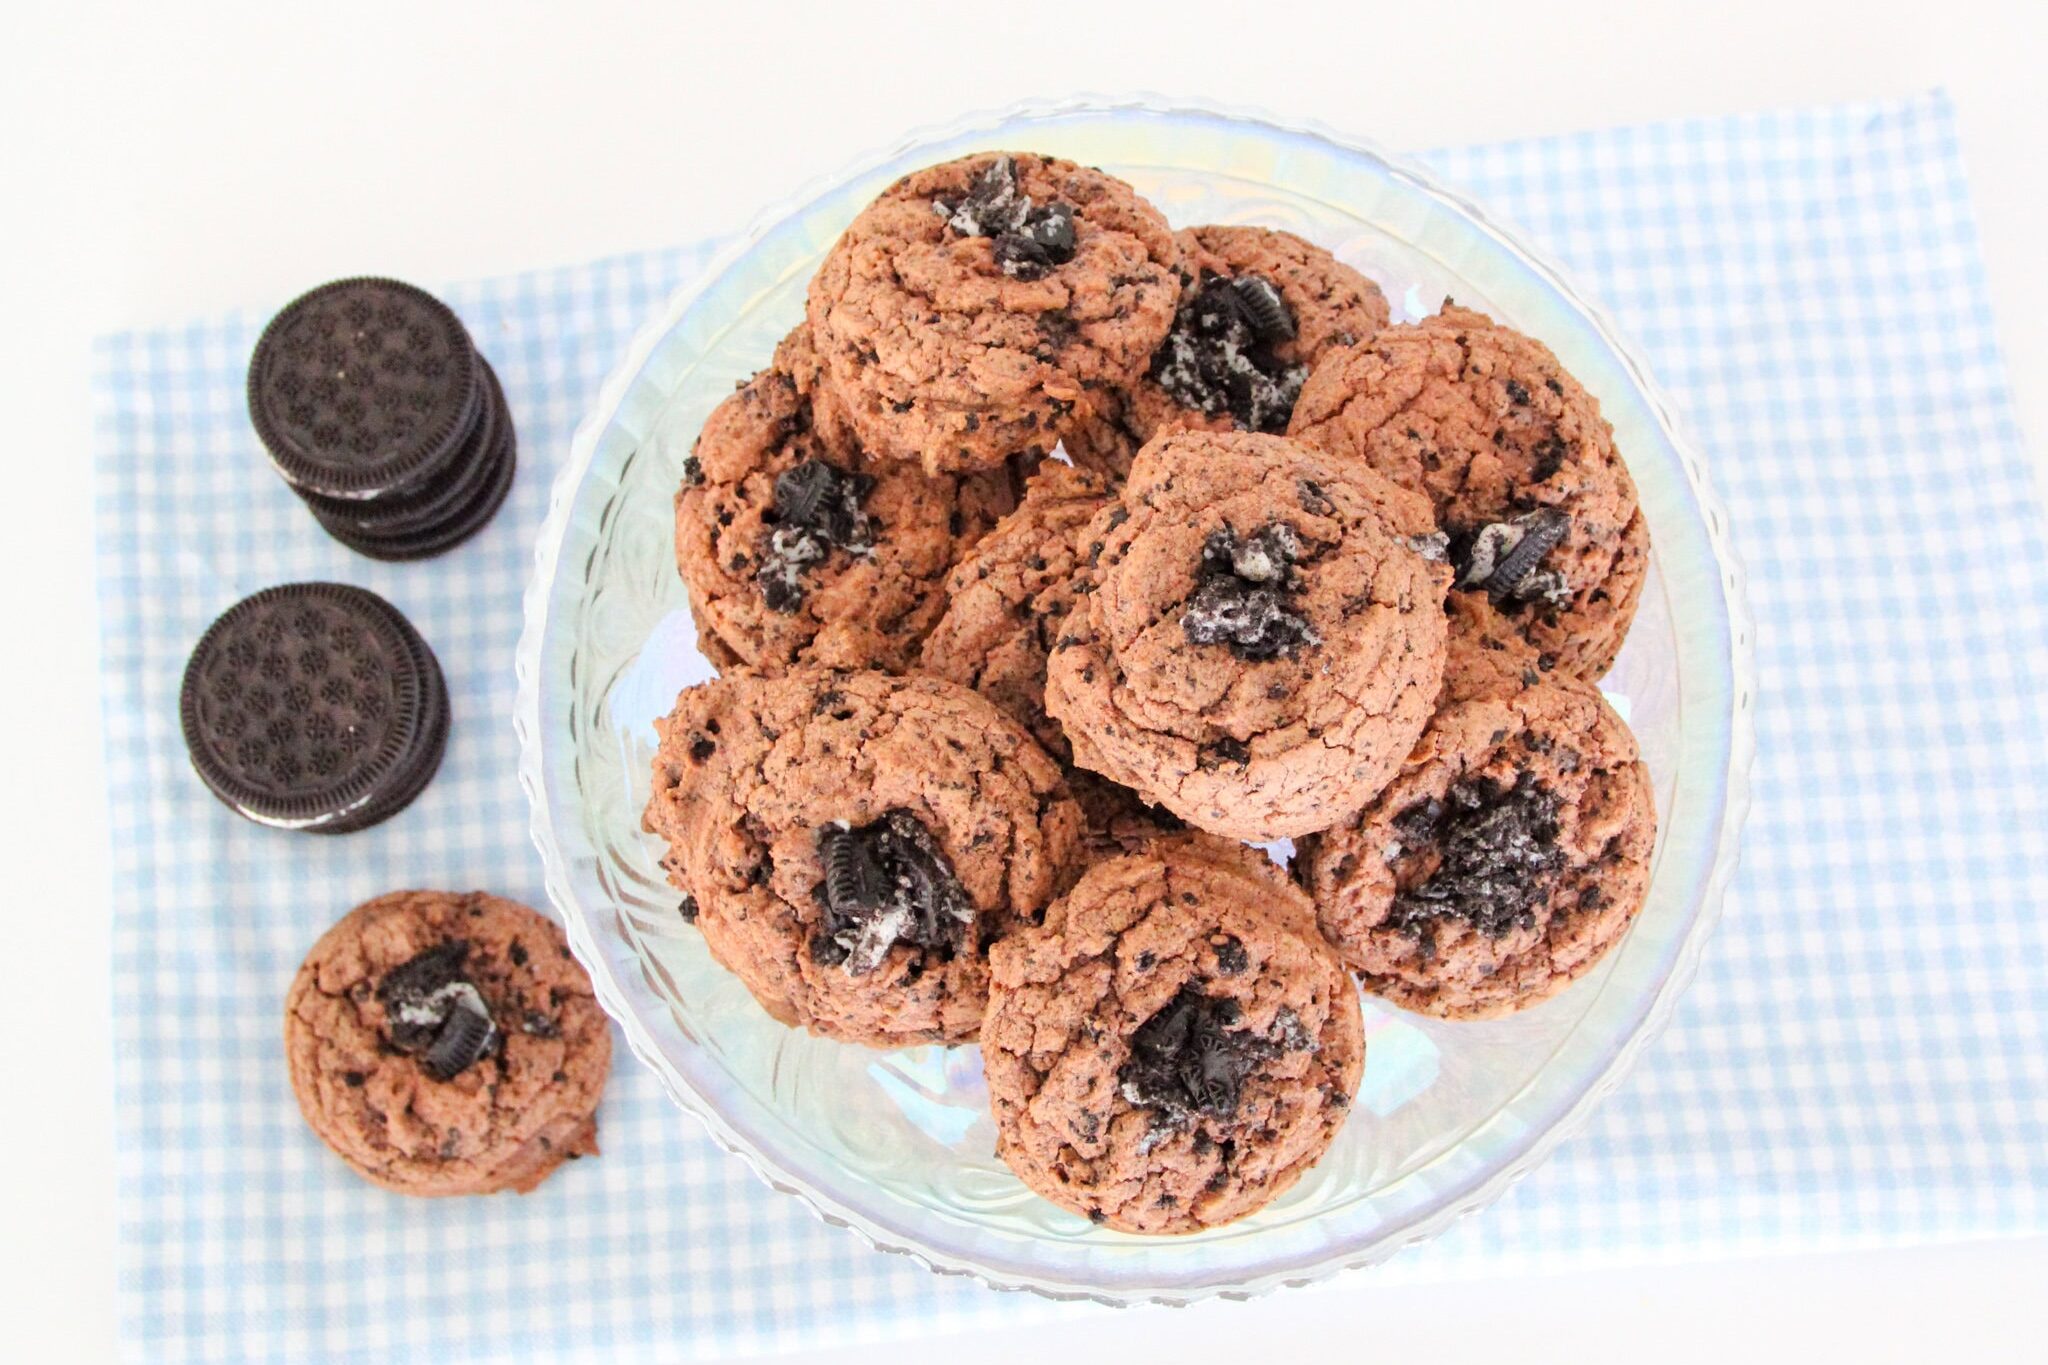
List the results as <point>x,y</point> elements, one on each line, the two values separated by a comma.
<point>547,559</point>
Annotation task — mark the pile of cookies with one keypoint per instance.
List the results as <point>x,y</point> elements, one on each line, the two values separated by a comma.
<point>1054,556</point>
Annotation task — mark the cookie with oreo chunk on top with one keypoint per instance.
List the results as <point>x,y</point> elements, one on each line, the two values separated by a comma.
<point>853,842</point>
<point>1259,309</point>
<point>1510,854</point>
<point>797,547</point>
<point>1521,468</point>
<point>447,1044</point>
<point>1174,1046</point>
<point>990,308</point>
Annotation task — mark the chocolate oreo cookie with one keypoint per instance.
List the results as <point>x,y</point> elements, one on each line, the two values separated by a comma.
<point>383,418</point>
<point>314,706</point>
<point>363,387</point>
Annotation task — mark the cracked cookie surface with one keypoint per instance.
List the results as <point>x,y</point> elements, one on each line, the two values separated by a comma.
<point>1517,461</point>
<point>445,1043</point>
<point>852,843</point>
<point>1008,599</point>
<point>798,548</point>
<point>1510,854</point>
<point>1260,639</point>
<point>1175,1045</point>
<point>1259,309</point>
<point>950,344</point>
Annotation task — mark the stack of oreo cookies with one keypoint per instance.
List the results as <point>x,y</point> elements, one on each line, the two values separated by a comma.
<point>379,412</point>
<point>314,706</point>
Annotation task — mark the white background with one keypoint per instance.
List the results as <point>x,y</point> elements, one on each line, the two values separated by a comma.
<point>162,162</point>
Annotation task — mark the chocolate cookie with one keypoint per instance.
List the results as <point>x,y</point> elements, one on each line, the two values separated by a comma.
<point>1509,855</point>
<point>314,706</point>
<point>445,1043</point>
<point>852,843</point>
<point>454,506</point>
<point>1518,462</point>
<point>797,548</point>
<point>1259,308</point>
<point>1261,638</point>
<point>1008,598</point>
<point>990,307</point>
<point>1175,1045</point>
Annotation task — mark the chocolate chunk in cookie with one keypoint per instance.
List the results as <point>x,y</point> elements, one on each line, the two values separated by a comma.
<point>1511,853</point>
<point>1484,854</point>
<point>887,882</point>
<point>993,307</point>
<point>854,842</point>
<point>1258,642</point>
<point>1218,359</point>
<point>1258,310</point>
<point>444,1043</point>
<point>817,510</point>
<point>1175,1045</point>
<point>796,547</point>
<point>1192,1059</point>
<point>1242,595</point>
<point>1517,462</point>
<point>1030,239</point>
<point>435,1012</point>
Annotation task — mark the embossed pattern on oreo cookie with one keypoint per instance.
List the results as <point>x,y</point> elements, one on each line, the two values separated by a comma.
<point>363,386</point>
<point>886,882</point>
<point>383,417</point>
<point>313,706</point>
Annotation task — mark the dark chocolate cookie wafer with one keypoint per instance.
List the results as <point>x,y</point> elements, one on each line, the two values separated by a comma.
<point>424,760</point>
<point>364,387</point>
<point>446,498</point>
<point>466,522</point>
<point>313,706</point>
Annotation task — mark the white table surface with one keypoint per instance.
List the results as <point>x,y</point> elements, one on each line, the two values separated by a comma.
<point>177,160</point>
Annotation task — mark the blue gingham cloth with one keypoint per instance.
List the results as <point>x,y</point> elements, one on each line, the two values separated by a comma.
<point>1861,1061</point>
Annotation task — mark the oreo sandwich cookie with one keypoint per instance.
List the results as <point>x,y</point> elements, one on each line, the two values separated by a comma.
<point>444,498</point>
<point>364,388</point>
<point>314,706</point>
<point>486,485</point>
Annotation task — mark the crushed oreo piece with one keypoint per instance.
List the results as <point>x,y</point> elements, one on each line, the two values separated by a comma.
<point>1241,594</point>
<point>1191,1060</point>
<point>1501,557</point>
<point>688,909</point>
<point>885,883</point>
<point>817,510</point>
<point>693,471</point>
<point>1434,547</point>
<point>1218,358</point>
<point>1269,311</point>
<point>1495,855</point>
<point>1029,240</point>
<point>434,1012</point>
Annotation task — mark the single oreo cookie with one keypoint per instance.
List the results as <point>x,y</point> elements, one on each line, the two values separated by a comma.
<point>445,499</point>
<point>313,706</point>
<point>364,387</point>
<point>501,467</point>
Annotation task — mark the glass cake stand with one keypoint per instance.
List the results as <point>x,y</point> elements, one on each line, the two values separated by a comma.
<point>899,1147</point>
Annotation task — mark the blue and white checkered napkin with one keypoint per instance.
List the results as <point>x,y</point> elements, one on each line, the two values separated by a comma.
<point>1863,1060</point>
